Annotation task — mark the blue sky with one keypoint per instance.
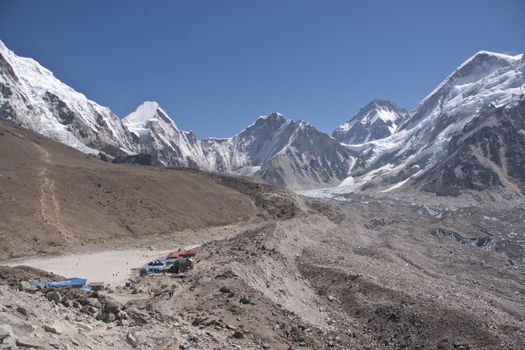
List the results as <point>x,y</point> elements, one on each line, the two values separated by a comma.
<point>217,65</point>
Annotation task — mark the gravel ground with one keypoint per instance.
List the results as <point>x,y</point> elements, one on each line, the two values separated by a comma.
<point>367,273</point>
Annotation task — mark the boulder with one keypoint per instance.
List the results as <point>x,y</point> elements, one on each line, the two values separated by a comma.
<point>108,317</point>
<point>53,329</point>
<point>238,334</point>
<point>29,343</point>
<point>140,317</point>
<point>245,300</point>
<point>225,290</point>
<point>112,306</point>
<point>23,310</point>
<point>132,340</point>
<point>54,296</point>
<point>122,315</point>
<point>91,302</point>
<point>88,309</point>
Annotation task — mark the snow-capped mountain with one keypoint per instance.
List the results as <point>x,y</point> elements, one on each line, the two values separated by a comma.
<point>377,120</point>
<point>155,133</point>
<point>32,97</point>
<point>276,149</point>
<point>382,146</point>
<point>291,153</point>
<point>423,139</point>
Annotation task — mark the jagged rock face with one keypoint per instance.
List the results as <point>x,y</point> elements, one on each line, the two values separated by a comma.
<point>310,159</point>
<point>32,97</point>
<point>377,120</point>
<point>489,152</point>
<point>248,151</point>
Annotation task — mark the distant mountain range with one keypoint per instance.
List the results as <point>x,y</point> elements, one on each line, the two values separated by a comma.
<point>457,138</point>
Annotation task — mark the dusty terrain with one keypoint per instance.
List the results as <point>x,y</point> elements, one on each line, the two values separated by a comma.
<point>367,273</point>
<point>56,199</point>
<point>389,271</point>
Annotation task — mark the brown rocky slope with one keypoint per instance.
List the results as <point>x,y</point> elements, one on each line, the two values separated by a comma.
<point>55,199</point>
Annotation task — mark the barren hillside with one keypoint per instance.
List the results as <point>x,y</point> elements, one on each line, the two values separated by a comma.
<point>56,199</point>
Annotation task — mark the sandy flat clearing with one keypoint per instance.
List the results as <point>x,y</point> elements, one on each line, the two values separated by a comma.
<point>112,267</point>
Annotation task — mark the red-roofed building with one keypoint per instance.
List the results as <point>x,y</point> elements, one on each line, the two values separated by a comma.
<point>181,254</point>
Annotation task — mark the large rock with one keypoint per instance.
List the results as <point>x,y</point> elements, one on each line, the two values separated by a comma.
<point>29,343</point>
<point>54,296</point>
<point>108,317</point>
<point>112,306</point>
<point>140,317</point>
<point>88,309</point>
<point>53,329</point>
<point>132,340</point>
<point>91,302</point>
<point>23,310</point>
<point>122,315</point>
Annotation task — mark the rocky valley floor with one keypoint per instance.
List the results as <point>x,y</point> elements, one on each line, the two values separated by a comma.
<point>366,273</point>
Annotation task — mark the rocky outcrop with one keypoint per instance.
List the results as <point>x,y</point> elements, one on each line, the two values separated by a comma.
<point>489,152</point>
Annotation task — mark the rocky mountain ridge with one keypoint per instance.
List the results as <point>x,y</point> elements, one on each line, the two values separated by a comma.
<point>381,148</point>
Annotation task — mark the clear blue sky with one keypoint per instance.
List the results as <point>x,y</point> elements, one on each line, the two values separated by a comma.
<point>217,65</point>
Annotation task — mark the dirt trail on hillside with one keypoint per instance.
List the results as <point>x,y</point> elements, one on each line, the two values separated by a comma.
<point>49,206</point>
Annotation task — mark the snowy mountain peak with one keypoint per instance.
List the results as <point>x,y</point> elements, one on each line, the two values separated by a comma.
<point>4,50</point>
<point>271,121</point>
<point>146,111</point>
<point>33,98</point>
<point>378,119</point>
<point>380,102</point>
<point>482,63</point>
<point>487,54</point>
<point>275,116</point>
